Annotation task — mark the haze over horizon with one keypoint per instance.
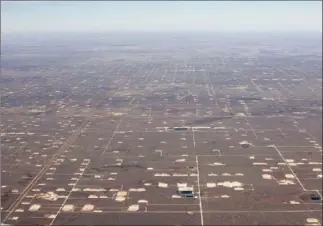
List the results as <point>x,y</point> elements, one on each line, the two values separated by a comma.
<point>67,16</point>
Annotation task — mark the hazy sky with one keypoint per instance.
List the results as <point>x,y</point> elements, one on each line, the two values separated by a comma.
<point>161,16</point>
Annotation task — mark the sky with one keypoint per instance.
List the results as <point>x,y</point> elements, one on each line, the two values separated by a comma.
<point>169,16</point>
